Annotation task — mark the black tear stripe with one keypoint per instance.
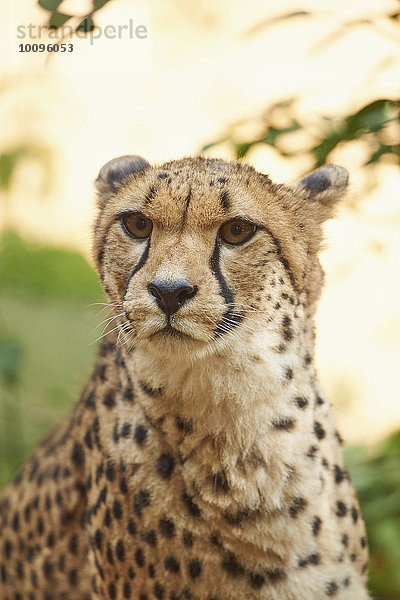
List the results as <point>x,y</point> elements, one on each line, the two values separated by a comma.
<point>281,258</point>
<point>227,295</point>
<point>138,266</point>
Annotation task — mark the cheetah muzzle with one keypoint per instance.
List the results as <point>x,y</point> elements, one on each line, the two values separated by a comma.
<point>202,461</point>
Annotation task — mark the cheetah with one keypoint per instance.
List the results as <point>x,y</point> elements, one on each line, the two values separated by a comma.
<point>202,461</point>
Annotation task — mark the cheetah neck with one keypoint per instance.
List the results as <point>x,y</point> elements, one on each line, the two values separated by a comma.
<point>235,417</point>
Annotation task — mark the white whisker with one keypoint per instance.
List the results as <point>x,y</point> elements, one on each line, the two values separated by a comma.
<point>108,320</point>
<point>103,335</point>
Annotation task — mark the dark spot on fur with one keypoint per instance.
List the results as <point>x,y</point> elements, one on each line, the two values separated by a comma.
<point>316,525</point>
<point>78,454</point>
<point>219,482</point>
<point>120,550</point>
<point>139,557</point>
<point>241,516</point>
<point>166,528</point>
<point>192,507</point>
<point>165,465</point>
<point>232,566</point>
<point>140,501</point>
<point>301,402</point>
<point>112,591</point>
<point>184,425</point>
<point>131,527</point>
<point>312,559</point>
<point>289,374</point>
<point>140,434</point>
<point>319,430</point>
<point>150,537</point>
<point>150,194</point>
<point>275,575</point>
<point>257,581</point>
<point>149,390</point>
<point>171,564</point>
<point>194,568</point>
<point>297,505</point>
<point>331,588</point>
<point>224,198</point>
<point>312,451</point>
<point>284,423</point>
<point>109,400</point>
<point>158,591</point>
<point>354,514</point>
<point>341,509</point>
<point>339,437</point>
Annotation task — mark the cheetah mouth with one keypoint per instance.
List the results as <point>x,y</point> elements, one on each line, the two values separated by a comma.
<point>171,333</point>
<point>168,331</point>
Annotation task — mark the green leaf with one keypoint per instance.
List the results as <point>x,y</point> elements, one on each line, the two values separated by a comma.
<point>58,19</point>
<point>8,162</point>
<point>50,4</point>
<point>371,118</point>
<point>324,148</point>
<point>242,149</point>
<point>383,149</point>
<point>212,144</point>
<point>273,133</point>
<point>97,4</point>
<point>86,25</point>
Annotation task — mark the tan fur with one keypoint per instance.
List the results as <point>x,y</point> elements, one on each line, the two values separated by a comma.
<point>202,463</point>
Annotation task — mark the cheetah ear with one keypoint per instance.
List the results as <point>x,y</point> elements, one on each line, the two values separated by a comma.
<point>116,170</point>
<point>322,188</point>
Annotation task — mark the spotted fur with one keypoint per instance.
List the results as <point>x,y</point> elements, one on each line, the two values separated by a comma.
<point>202,461</point>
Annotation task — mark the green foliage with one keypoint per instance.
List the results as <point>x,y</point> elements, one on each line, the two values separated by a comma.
<point>47,332</point>
<point>39,270</point>
<point>369,123</point>
<point>86,25</point>
<point>10,159</point>
<point>11,353</point>
<point>50,4</point>
<point>376,477</point>
<point>57,19</point>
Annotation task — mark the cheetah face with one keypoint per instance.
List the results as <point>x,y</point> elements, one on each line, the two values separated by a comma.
<point>195,253</point>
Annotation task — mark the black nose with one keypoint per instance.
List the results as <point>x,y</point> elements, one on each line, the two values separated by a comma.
<point>171,295</point>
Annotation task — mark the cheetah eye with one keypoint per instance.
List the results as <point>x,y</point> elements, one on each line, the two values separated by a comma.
<point>137,225</point>
<point>237,232</point>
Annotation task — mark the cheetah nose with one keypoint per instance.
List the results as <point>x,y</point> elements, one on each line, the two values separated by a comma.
<point>171,295</point>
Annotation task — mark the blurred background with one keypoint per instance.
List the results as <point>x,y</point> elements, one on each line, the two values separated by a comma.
<point>287,86</point>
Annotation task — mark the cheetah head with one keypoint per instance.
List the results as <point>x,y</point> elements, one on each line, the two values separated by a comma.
<point>198,253</point>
